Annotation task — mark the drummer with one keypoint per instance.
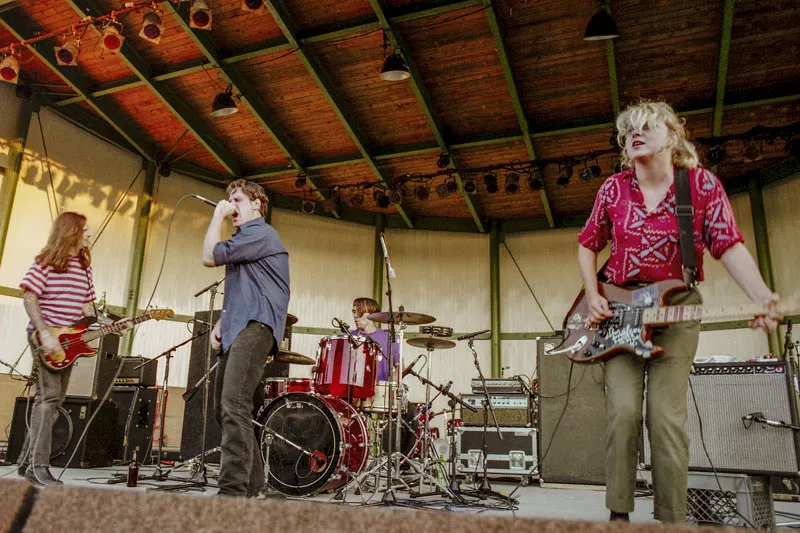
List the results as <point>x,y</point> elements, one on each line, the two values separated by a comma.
<point>362,307</point>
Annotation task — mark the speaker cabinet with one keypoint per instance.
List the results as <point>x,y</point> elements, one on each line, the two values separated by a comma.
<point>92,376</point>
<point>95,450</point>
<point>572,442</point>
<point>723,394</point>
<point>191,434</point>
<point>135,417</point>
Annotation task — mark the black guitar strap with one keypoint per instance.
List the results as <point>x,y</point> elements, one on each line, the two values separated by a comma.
<point>685,214</point>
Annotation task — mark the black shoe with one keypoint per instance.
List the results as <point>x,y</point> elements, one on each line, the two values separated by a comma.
<point>21,469</point>
<point>41,476</point>
<point>621,517</point>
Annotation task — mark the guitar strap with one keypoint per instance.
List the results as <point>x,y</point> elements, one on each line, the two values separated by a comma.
<point>91,289</point>
<point>684,211</point>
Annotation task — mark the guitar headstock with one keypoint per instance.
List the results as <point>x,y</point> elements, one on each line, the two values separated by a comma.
<point>160,314</point>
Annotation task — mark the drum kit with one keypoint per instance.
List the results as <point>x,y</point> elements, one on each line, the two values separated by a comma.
<point>337,430</point>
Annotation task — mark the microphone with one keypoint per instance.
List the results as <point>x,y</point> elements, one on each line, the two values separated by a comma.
<point>341,325</point>
<point>386,256</point>
<point>344,327</point>
<point>206,200</point>
<point>446,388</point>
<point>472,335</point>
<point>410,367</point>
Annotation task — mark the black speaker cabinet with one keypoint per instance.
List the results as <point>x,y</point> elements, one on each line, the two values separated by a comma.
<point>723,394</point>
<point>571,450</point>
<point>92,376</point>
<point>135,417</point>
<point>191,433</point>
<point>95,450</point>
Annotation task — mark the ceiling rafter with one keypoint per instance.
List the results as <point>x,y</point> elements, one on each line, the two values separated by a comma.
<point>508,72</point>
<point>202,39</point>
<point>424,100</point>
<point>722,65</point>
<point>281,44</point>
<point>171,101</point>
<point>282,17</point>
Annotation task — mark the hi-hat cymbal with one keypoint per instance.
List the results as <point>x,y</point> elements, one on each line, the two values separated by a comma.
<point>431,343</point>
<point>405,317</point>
<point>294,358</point>
<point>291,320</point>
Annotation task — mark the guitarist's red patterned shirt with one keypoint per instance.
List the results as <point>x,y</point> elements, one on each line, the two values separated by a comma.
<point>644,245</point>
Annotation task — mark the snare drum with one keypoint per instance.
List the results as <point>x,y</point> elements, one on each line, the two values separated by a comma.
<point>345,371</point>
<point>274,387</point>
<point>383,401</point>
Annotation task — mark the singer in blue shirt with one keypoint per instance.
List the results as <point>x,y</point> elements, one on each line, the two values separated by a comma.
<point>362,307</point>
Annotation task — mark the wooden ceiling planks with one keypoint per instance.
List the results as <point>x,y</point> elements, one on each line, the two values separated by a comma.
<point>235,28</point>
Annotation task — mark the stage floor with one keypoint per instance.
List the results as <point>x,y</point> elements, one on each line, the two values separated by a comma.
<point>534,501</point>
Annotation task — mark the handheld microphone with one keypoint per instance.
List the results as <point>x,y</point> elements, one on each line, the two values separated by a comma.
<point>472,335</point>
<point>206,200</point>
<point>386,256</point>
<point>410,367</point>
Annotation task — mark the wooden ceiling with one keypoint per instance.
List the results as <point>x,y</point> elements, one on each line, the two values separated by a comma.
<point>493,81</point>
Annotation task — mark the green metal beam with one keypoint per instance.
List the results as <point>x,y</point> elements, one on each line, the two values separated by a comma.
<point>495,239</point>
<point>144,204</point>
<point>171,101</point>
<point>722,65</point>
<point>522,120</point>
<point>16,151</point>
<point>284,20</point>
<point>762,250</point>
<point>202,39</point>
<point>611,59</point>
<point>377,271</point>
<point>425,102</point>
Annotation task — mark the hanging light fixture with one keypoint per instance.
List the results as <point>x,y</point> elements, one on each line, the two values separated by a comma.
<point>512,183</point>
<point>164,170</point>
<point>252,5</point>
<point>223,104</point>
<point>9,69</point>
<point>67,53</point>
<point>443,161</point>
<point>357,200</point>
<point>111,37</point>
<point>601,26</point>
<point>152,30</point>
<point>596,170</point>
<point>330,204</point>
<point>717,154</point>
<point>469,186</point>
<point>490,181</point>
<point>752,153</point>
<point>421,192</point>
<point>585,174</point>
<point>308,207</point>
<point>394,66</point>
<point>564,175</point>
<point>396,195</point>
<point>536,180</point>
<point>381,198</point>
<point>300,181</point>
<point>200,15</point>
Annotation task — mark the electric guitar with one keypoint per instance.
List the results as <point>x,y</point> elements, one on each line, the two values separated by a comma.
<point>636,312</point>
<point>74,339</point>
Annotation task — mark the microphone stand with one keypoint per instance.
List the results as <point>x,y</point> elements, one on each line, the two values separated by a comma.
<point>389,497</point>
<point>791,357</point>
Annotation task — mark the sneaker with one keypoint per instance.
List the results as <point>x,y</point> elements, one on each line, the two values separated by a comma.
<point>41,476</point>
<point>21,469</point>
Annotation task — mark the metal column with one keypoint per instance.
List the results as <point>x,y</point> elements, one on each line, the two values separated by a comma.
<point>495,238</point>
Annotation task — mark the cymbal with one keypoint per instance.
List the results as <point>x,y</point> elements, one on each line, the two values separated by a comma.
<point>291,320</point>
<point>402,316</point>
<point>431,343</point>
<point>294,358</point>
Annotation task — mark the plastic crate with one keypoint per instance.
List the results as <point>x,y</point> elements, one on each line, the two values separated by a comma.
<point>744,501</point>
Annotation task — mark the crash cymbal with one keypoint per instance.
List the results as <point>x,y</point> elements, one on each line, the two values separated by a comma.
<point>291,320</point>
<point>431,343</point>
<point>294,358</point>
<point>406,317</point>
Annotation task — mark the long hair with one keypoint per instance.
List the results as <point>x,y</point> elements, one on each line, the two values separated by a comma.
<point>253,191</point>
<point>66,235</point>
<point>650,112</point>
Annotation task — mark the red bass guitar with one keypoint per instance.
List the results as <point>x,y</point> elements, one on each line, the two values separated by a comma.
<point>75,339</point>
<point>636,312</point>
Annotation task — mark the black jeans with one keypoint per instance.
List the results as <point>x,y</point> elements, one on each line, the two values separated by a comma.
<point>239,373</point>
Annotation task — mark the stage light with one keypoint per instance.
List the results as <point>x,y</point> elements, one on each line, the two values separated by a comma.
<point>381,199</point>
<point>585,174</point>
<point>111,38</point>
<point>308,207</point>
<point>67,53</point>
<point>164,170</point>
<point>564,175</point>
<point>512,183</point>
<point>443,191</point>
<point>444,160</point>
<point>601,27</point>
<point>394,68</point>
<point>330,204</point>
<point>490,181</point>
<point>469,186</point>
<point>536,180</point>
<point>357,200</point>
<point>300,181</point>
<point>223,104</point>
<point>396,195</point>
<point>252,5</point>
<point>596,170</point>
<point>200,15</point>
<point>421,192</point>
<point>9,69</point>
<point>152,30</point>
<point>717,154</point>
<point>751,153</point>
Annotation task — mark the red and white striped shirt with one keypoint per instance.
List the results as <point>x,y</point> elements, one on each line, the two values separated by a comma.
<point>61,295</point>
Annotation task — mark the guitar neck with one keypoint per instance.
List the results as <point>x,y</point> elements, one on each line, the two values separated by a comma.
<point>112,328</point>
<point>681,313</point>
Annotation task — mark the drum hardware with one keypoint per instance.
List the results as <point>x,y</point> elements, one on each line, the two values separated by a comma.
<point>294,358</point>
<point>436,331</point>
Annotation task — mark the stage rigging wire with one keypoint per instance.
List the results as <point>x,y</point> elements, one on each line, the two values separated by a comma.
<point>49,171</point>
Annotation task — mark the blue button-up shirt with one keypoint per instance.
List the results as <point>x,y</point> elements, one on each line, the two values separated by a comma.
<point>256,280</point>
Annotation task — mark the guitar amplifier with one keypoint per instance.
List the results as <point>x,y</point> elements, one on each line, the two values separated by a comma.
<point>144,376</point>
<point>135,419</point>
<point>498,386</point>
<point>92,376</point>
<point>511,410</point>
<point>726,392</point>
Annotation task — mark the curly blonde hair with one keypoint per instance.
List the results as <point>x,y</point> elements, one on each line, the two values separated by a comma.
<point>651,112</point>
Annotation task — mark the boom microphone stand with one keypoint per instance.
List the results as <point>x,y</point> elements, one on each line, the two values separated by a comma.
<point>389,497</point>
